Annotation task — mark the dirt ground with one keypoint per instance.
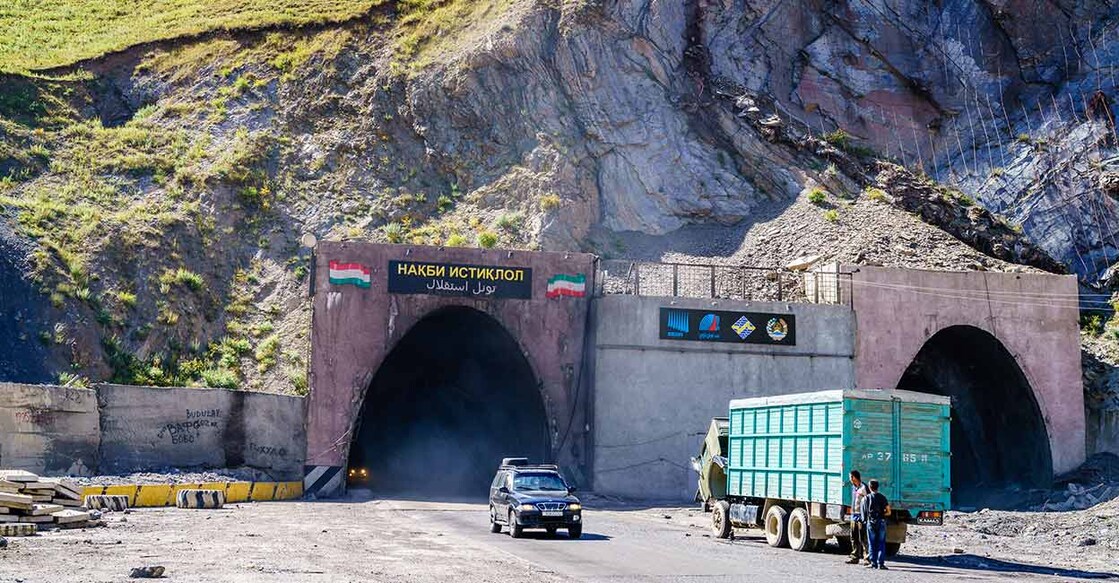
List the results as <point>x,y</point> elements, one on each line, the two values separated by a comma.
<point>409,540</point>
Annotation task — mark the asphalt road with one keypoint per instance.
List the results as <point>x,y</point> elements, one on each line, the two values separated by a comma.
<point>643,545</point>
<point>395,540</point>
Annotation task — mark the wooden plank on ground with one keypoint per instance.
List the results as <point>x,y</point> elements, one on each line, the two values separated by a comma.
<point>64,488</point>
<point>18,529</point>
<point>18,476</point>
<point>68,516</point>
<point>44,509</point>
<point>17,501</point>
<point>44,486</point>
<point>37,519</point>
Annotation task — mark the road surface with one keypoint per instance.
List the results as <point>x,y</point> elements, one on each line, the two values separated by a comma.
<point>405,540</point>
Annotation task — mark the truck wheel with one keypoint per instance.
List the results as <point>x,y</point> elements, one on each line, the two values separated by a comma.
<point>515,530</point>
<point>494,526</point>
<point>720,519</point>
<point>844,544</point>
<point>777,527</point>
<point>892,549</point>
<point>799,538</point>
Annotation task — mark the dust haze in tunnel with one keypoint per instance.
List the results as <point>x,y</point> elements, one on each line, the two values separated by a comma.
<point>452,398</point>
<point>999,439</point>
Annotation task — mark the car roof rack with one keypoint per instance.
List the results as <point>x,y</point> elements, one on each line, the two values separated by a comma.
<point>530,467</point>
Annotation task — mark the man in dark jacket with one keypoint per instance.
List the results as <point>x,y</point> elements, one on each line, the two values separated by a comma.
<point>875,509</point>
<point>859,492</point>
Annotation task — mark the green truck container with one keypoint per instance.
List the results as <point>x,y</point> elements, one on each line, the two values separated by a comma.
<point>788,459</point>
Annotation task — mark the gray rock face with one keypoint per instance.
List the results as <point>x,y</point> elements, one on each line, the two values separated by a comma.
<point>951,87</point>
<point>22,354</point>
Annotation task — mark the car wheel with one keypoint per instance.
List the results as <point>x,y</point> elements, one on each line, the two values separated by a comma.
<point>551,531</point>
<point>575,530</point>
<point>494,525</point>
<point>777,527</point>
<point>799,534</point>
<point>515,530</point>
<point>720,519</point>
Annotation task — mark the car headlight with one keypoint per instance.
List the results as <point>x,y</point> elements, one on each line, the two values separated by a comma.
<point>527,508</point>
<point>574,507</point>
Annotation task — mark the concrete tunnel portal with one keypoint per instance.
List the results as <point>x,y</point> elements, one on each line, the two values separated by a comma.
<point>454,396</point>
<point>999,438</point>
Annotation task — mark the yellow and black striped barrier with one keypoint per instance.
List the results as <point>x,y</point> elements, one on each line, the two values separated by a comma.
<point>155,495</point>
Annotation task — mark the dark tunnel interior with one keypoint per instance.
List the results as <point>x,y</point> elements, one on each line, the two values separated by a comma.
<point>452,398</point>
<point>999,440</point>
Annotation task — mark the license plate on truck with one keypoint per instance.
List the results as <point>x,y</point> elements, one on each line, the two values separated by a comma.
<point>932,518</point>
<point>552,513</point>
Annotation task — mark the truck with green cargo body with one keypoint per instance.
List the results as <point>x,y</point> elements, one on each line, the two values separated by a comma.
<point>785,462</point>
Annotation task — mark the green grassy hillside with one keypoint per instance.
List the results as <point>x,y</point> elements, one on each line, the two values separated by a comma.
<point>38,34</point>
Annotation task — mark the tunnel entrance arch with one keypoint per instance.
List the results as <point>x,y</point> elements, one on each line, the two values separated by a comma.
<point>452,397</point>
<point>999,437</point>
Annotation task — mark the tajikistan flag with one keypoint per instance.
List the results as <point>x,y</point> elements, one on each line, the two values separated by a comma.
<point>574,286</point>
<point>355,273</point>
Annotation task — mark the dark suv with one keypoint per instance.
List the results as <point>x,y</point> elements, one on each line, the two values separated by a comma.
<point>533,496</point>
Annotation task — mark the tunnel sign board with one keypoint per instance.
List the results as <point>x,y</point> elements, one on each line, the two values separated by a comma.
<point>451,279</point>
<point>736,327</point>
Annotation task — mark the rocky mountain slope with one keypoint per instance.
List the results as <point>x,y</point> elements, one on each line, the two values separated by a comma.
<point>154,197</point>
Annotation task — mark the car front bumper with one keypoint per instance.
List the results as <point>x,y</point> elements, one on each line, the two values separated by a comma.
<point>534,519</point>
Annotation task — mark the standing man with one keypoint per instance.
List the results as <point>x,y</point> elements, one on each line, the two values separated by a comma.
<point>875,510</point>
<point>859,492</point>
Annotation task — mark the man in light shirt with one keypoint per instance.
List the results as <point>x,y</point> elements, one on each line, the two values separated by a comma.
<point>858,526</point>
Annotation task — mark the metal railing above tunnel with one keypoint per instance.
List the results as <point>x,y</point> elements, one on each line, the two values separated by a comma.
<point>826,284</point>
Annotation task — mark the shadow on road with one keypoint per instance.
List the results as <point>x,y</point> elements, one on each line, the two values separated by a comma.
<point>561,537</point>
<point>939,565</point>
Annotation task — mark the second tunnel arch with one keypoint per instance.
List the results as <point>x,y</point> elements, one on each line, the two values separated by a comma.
<point>999,438</point>
<point>1033,316</point>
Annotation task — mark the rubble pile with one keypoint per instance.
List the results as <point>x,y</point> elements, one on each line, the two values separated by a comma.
<point>1095,482</point>
<point>25,498</point>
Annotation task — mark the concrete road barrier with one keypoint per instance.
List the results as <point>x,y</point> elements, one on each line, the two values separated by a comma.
<point>199,499</point>
<point>159,495</point>
<point>116,503</point>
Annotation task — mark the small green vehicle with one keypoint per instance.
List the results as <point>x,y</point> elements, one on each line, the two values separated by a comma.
<point>781,464</point>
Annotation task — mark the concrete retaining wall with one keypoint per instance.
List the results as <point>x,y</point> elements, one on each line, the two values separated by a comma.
<point>121,429</point>
<point>653,398</point>
<point>48,430</point>
<point>144,428</point>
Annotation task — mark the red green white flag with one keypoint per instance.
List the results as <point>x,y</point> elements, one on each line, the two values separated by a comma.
<point>564,285</point>
<point>350,273</point>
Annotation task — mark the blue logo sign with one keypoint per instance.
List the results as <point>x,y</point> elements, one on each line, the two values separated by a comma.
<point>677,324</point>
<point>709,327</point>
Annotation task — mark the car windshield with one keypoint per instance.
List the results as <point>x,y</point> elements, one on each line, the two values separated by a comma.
<point>539,482</point>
